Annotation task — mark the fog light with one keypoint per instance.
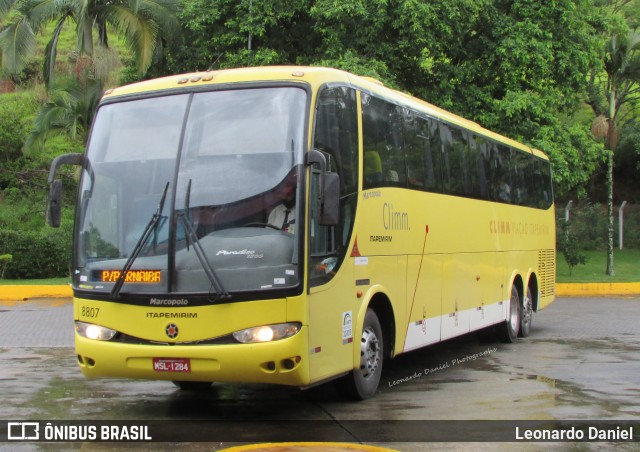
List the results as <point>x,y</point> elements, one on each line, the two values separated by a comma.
<point>267,333</point>
<point>95,332</point>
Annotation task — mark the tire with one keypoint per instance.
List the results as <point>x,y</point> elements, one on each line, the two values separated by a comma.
<point>526,314</point>
<point>362,382</point>
<point>508,331</point>
<point>193,385</point>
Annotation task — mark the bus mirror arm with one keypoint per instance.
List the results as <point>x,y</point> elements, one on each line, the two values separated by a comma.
<point>53,211</point>
<point>329,189</point>
<point>317,157</point>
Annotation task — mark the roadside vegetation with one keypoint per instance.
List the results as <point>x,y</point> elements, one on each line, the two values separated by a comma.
<point>593,271</point>
<point>560,76</point>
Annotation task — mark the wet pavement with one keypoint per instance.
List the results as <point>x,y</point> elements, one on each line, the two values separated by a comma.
<point>581,363</point>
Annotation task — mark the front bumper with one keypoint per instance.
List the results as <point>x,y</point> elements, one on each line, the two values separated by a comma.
<point>278,362</point>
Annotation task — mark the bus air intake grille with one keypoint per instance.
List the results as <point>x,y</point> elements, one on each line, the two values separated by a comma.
<point>547,272</point>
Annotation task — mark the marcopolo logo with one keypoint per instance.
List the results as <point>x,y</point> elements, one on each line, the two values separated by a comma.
<point>168,301</point>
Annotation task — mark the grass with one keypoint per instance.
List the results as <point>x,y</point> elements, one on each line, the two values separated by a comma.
<point>35,282</point>
<point>626,264</point>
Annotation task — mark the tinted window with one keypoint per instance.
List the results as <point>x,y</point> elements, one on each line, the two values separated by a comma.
<point>404,149</point>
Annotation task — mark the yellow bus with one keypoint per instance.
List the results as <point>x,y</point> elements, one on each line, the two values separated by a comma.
<point>294,226</point>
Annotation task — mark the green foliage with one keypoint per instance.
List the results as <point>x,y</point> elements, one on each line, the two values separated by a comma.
<point>568,245</point>
<point>628,160</point>
<point>627,269</point>
<point>5,259</point>
<point>16,116</point>
<point>589,223</point>
<point>236,33</point>
<point>519,68</point>
<point>69,112</point>
<point>38,251</point>
<point>36,254</point>
<point>142,23</point>
<point>574,155</point>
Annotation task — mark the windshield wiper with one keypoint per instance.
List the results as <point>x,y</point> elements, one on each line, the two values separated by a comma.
<point>153,223</point>
<point>192,237</point>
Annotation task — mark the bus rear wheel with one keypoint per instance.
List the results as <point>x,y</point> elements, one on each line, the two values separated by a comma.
<point>362,382</point>
<point>527,314</point>
<point>508,331</point>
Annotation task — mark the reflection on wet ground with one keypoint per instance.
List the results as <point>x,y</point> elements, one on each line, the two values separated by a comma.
<point>572,367</point>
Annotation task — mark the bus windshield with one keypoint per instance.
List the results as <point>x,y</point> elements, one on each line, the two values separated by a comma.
<point>192,192</point>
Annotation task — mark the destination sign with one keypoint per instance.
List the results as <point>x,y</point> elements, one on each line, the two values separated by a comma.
<point>132,276</point>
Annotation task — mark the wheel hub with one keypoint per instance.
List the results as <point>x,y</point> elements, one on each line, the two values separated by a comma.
<point>369,353</point>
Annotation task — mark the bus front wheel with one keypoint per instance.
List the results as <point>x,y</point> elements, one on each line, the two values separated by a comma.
<point>362,382</point>
<point>508,331</point>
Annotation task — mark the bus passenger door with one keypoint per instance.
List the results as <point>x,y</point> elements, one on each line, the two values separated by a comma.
<point>332,300</point>
<point>331,296</point>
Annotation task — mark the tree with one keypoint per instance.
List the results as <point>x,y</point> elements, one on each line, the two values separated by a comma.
<point>520,68</point>
<point>234,33</point>
<point>568,245</point>
<point>142,23</point>
<point>69,111</point>
<point>615,90</point>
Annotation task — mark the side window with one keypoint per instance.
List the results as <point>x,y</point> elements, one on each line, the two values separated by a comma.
<point>423,149</point>
<point>502,167</point>
<point>534,181</point>
<point>336,135</point>
<point>542,180</point>
<point>415,140</point>
<point>472,167</point>
<point>384,159</point>
<point>454,145</point>
<point>483,166</point>
<point>520,178</point>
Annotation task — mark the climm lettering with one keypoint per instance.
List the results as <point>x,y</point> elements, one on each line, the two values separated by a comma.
<point>499,227</point>
<point>394,220</point>
<point>517,228</point>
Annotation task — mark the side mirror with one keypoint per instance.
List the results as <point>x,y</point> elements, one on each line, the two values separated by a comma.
<point>330,199</point>
<point>53,211</point>
<point>329,189</point>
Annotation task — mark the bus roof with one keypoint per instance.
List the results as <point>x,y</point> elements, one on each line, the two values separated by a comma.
<point>314,76</point>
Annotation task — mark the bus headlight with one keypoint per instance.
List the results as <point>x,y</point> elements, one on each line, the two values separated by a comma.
<point>95,332</point>
<point>267,333</point>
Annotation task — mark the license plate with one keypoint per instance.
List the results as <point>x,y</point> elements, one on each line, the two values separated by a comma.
<point>172,364</point>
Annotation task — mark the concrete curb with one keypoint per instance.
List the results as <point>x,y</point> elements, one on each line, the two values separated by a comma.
<point>17,293</point>
<point>596,289</point>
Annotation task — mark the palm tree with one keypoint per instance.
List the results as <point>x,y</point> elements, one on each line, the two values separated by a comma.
<point>619,88</point>
<point>142,23</point>
<point>69,111</point>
